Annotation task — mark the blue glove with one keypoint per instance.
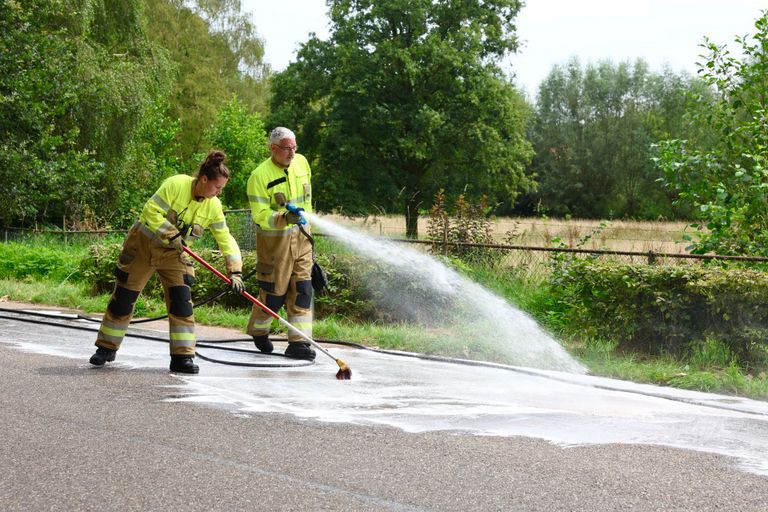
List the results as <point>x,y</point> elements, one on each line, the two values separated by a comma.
<point>294,215</point>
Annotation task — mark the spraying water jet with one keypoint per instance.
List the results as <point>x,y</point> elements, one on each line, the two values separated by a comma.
<point>431,294</point>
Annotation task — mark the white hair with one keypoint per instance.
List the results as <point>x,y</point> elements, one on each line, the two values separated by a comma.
<point>279,134</point>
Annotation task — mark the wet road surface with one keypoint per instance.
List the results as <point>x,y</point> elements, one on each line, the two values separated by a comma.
<point>404,434</point>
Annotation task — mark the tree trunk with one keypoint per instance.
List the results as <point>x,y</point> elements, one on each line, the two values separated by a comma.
<point>412,215</point>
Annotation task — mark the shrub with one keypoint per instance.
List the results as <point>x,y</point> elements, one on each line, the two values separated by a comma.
<point>665,309</point>
<point>20,260</point>
<point>97,268</point>
<point>342,297</point>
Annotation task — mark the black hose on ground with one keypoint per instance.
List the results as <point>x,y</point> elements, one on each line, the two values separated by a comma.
<point>382,351</point>
<point>204,344</point>
<point>207,344</point>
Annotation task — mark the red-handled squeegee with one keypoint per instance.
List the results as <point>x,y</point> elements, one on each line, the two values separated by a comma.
<point>344,373</point>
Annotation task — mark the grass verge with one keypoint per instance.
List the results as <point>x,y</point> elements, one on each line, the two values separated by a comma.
<point>527,292</point>
<point>710,374</point>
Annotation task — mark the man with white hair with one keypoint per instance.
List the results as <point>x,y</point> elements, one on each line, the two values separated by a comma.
<point>278,190</point>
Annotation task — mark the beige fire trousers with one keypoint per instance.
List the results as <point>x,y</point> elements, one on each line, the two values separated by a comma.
<point>284,276</point>
<point>139,259</point>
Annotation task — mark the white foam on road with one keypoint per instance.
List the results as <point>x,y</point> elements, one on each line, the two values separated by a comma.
<point>422,396</point>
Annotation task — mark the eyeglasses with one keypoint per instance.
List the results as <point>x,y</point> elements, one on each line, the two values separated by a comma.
<point>288,148</point>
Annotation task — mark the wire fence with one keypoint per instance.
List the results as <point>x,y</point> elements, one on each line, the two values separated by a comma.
<point>524,257</point>
<point>633,236</point>
<point>67,237</point>
<point>519,256</point>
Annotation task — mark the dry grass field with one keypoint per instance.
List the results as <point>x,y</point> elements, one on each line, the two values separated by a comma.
<point>616,235</point>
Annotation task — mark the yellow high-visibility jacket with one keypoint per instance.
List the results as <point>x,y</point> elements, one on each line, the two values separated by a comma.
<point>173,208</point>
<point>270,187</point>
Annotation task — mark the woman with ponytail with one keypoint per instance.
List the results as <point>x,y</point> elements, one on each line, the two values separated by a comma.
<point>178,213</point>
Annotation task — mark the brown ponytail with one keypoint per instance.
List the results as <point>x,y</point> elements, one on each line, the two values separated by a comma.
<point>213,167</point>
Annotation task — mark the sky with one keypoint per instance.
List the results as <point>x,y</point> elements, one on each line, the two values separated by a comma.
<point>662,32</point>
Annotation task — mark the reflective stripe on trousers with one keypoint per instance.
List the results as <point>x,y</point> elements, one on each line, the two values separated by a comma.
<point>139,258</point>
<point>284,275</point>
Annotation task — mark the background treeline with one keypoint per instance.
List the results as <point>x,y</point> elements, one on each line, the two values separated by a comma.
<point>102,99</point>
<point>593,129</point>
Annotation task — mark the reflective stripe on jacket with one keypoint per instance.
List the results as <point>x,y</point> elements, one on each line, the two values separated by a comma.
<point>173,208</point>
<point>270,187</point>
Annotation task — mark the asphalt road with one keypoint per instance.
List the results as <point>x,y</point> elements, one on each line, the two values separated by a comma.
<point>77,438</point>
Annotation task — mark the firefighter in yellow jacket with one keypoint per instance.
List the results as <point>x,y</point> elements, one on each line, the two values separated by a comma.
<point>284,253</point>
<point>177,213</point>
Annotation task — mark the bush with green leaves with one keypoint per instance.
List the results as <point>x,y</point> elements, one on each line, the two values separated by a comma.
<point>665,309</point>
<point>725,178</point>
<point>23,260</point>
<point>342,298</point>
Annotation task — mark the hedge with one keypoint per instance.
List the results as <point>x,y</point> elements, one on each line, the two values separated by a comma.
<point>660,309</point>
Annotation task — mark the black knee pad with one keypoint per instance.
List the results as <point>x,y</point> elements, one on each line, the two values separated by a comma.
<point>275,302</point>
<point>120,275</point>
<point>266,286</point>
<point>180,301</point>
<point>122,301</point>
<point>304,294</point>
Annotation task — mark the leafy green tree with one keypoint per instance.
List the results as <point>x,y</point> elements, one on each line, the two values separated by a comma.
<point>593,130</point>
<point>242,137</point>
<point>227,21</point>
<point>35,153</point>
<point>123,81</point>
<point>216,53</point>
<point>82,86</point>
<point>405,99</point>
<point>726,177</point>
<point>150,157</point>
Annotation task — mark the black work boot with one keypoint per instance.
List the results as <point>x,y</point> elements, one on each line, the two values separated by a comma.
<point>263,344</point>
<point>183,364</point>
<point>300,351</point>
<point>102,355</point>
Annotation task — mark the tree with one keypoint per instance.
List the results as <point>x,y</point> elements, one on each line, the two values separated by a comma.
<point>123,82</point>
<point>216,53</point>
<point>404,99</point>
<point>725,177</point>
<point>85,82</point>
<point>109,97</point>
<point>593,130</point>
<point>39,90</point>
<point>243,138</point>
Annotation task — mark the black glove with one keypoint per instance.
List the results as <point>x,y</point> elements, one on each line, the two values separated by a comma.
<point>294,218</point>
<point>237,284</point>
